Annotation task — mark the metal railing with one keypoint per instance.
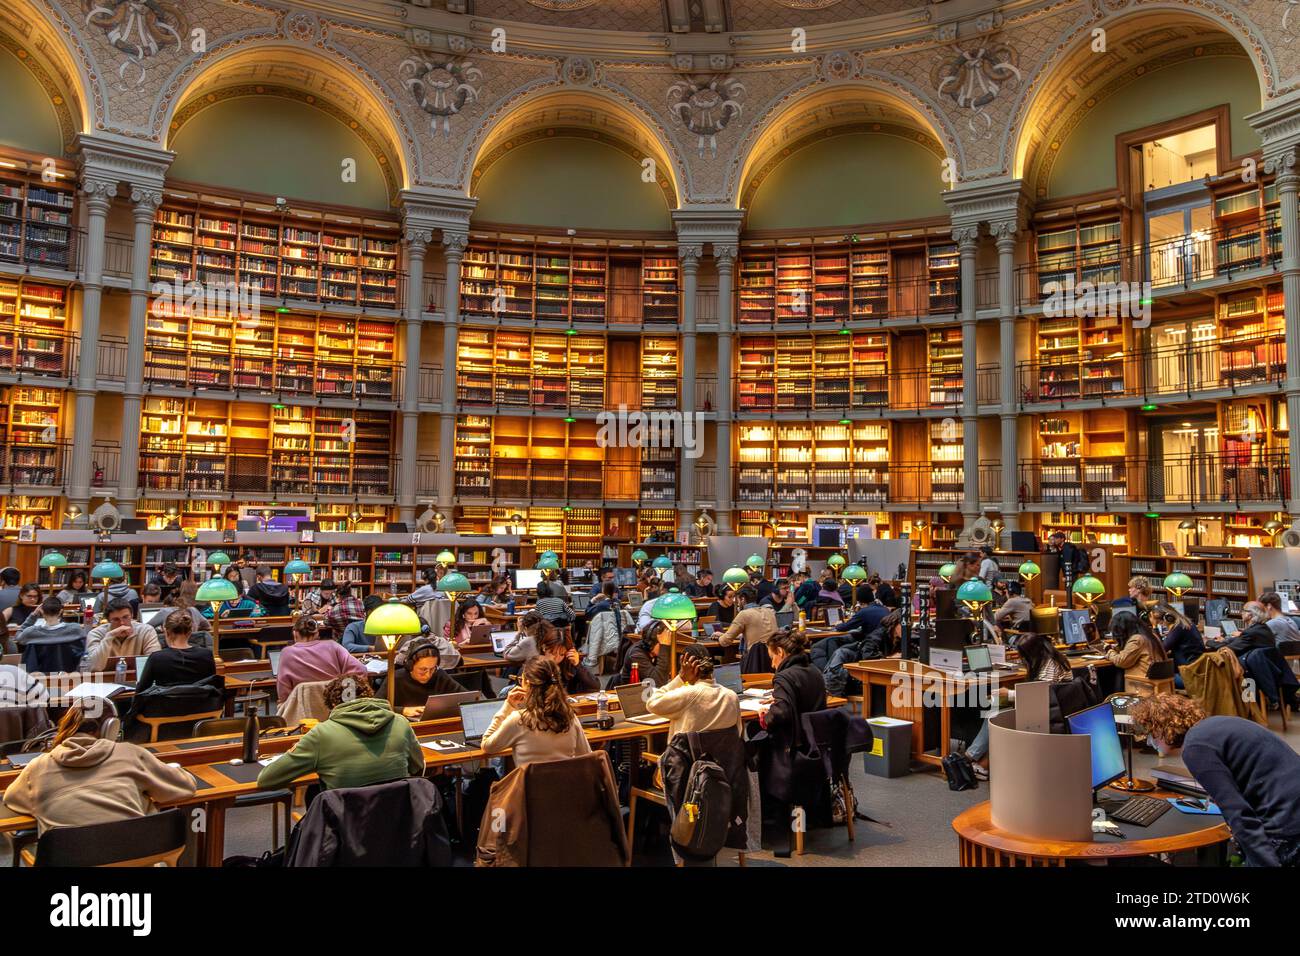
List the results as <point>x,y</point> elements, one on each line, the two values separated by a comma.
<point>430,383</point>
<point>1153,372</point>
<point>257,372</point>
<point>907,388</point>
<point>1218,479</point>
<point>48,465</point>
<point>28,354</point>
<point>802,485</point>
<point>568,391</point>
<point>582,482</point>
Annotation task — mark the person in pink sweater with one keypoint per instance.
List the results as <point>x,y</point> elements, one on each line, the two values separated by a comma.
<point>309,658</point>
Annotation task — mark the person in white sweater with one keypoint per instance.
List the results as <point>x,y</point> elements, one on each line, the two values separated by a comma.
<point>691,701</point>
<point>536,723</point>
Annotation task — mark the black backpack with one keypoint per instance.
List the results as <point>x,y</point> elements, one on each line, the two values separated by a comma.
<point>701,824</point>
<point>957,768</point>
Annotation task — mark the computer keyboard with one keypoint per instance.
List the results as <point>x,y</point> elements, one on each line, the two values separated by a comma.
<point>1140,811</point>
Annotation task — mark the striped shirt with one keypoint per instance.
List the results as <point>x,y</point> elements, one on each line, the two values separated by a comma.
<point>554,609</point>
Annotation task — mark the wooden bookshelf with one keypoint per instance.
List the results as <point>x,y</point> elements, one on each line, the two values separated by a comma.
<point>943,272</point>
<point>1082,243</point>
<point>807,465</point>
<point>34,328</point>
<point>945,366</point>
<point>824,370</point>
<point>36,215</point>
<point>1086,527</point>
<point>531,369</point>
<point>22,511</point>
<point>569,281</point>
<point>1251,335</point>
<point>947,470</point>
<point>1246,223</point>
<point>31,420</point>
<point>659,371</point>
<point>295,252</point>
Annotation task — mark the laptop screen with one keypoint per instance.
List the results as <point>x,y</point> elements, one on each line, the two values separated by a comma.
<point>630,699</point>
<point>139,665</point>
<point>978,657</point>
<point>833,616</point>
<point>526,579</point>
<point>784,618</point>
<point>1072,627</point>
<point>275,663</point>
<point>728,676</point>
<point>501,640</point>
<point>477,717</point>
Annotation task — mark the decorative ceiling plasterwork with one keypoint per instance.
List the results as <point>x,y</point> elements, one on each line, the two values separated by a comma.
<point>977,81</point>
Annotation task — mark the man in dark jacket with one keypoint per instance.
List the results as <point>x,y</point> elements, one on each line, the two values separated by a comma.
<point>1255,634</point>
<point>270,593</point>
<point>169,580</point>
<point>866,620</point>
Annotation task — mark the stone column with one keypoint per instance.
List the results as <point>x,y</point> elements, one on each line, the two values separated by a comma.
<point>99,197</point>
<point>689,255</point>
<point>417,241</point>
<point>724,256</point>
<point>967,238</point>
<point>1283,164</point>
<point>454,245</point>
<point>145,203</point>
<point>1005,234</point>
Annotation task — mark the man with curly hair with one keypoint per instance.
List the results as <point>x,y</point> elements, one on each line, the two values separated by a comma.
<point>1249,771</point>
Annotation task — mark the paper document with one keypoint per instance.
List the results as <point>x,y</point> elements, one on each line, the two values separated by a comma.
<point>92,689</point>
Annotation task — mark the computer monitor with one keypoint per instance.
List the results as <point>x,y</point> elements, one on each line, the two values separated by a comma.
<point>1072,623</point>
<point>275,662</point>
<point>476,718</point>
<point>1215,609</point>
<point>526,579</point>
<point>625,577</point>
<point>1107,755</point>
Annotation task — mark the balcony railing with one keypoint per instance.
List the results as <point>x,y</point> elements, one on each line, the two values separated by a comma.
<point>911,389</point>
<point>909,297</point>
<point>30,354</point>
<point>49,464</point>
<point>1219,479</point>
<point>258,372</point>
<point>569,391</point>
<point>1153,372</point>
<point>792,485</point>
<point>430,383</point>
<point>191,471</point>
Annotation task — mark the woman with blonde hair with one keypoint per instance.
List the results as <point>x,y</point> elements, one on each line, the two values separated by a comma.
<point>536,722</point>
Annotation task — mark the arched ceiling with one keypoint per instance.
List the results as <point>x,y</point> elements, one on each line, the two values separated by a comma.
<point>582,114</point>
<point>1083,77</point>
<point>29,38</point>
<point>832,111</point>
<point>299,75</point>
<point>680,16</point>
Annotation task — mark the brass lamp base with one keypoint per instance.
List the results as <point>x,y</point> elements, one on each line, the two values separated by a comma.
<point>1133,785</point>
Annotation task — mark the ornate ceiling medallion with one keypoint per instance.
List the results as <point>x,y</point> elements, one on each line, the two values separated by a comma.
<point>442,88</point>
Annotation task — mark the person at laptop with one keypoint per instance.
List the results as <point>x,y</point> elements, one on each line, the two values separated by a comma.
<point>723,608</point>
<point>1139,597</point>
<point>1016,611</point>
<point>556,645</point>
<point>182,599</point>
<point>1255,632</point>
<point>316,601</point>
<point>419,676</point>
<point>1248,771</point>
<point>347,607</point>
<point>754,622</point>
<point>9,580</point>
<point>270,594</point>
<point>606,575</point>
<point>702,586</point>
<point>29,600</point>
<point>1181,640</point>
<point>241,606</point>
<point>647,657</point>
<point>354,638</point>
<point>865,620</point>
<point>1137,647</point>
<point>309,658</point>
<point>168,579</point>
<point>525,643</point>
<point>782,599</point>
<point>426,591</point>
<point>361,743</point>
<point>1042,662</point>
<point>460,629</point>
<point>48,627</point>
<point>86,778</point>
<point>692,701</point>
<point>643,617</point>
<point>536,723</point>
<point>76,589</point>
<point>805,590</point>
<point>179,662</point>
<point>553,603</point>
<point>120,636</point>
<point>1283,628</point>
<point>829,590</point>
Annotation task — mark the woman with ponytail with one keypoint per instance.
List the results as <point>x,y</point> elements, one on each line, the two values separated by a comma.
<point>87,777</point>
<point>536,722</point>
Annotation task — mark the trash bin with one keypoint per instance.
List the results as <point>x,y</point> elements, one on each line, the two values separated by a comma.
<point>891,749</point>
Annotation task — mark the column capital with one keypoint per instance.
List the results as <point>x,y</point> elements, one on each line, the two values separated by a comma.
<point>724,254</point>
<point>454,244</point>
<point>966,237</point>
<point>1005,231</point>
<point>145,201</point>
<point>98,192</point>
<point>1282,163</point>
<point>417,236</point>
<point>690,254</point>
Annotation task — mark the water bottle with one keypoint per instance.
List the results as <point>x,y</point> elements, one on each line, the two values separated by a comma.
<point>119,674</point>
<point>252,730</point>
<point>602,707</point>
<point>634,677</point>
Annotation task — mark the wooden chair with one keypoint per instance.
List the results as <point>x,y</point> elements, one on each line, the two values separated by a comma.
<point>155,840</point>
<point>268,638</point>
<point>656,795</point>
<point>232,654</point>
<point>1159,680</point>
<point>846,795</point>
<point>155,724</point>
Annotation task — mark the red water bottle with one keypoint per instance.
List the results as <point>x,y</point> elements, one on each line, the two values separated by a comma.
<point>635,676</point>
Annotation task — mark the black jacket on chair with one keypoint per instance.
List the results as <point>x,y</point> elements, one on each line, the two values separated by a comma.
<point>388,824</point>
<point>833,735</point>
<point>797,689</point>
<point>725,748</point>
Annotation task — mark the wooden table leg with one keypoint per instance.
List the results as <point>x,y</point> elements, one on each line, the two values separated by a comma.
<point>215,835</point>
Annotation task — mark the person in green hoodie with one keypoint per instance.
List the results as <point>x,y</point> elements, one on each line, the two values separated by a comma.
<point>360,744</point>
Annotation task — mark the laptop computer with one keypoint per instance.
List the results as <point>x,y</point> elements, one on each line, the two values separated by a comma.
<point>440,706</point>
<point>979,659</point>
<point>476,717</point>
<point>634,709</point>
<point>1229,627</point>
<point>501,640</point>
<point>784,618</point>
<point>139,665</point>
<point>834,615</point>
<point>728,676</point>
<point>1072,630</point>
<point>581,601</point>
<point>275,663</point>
<point>235,612</point>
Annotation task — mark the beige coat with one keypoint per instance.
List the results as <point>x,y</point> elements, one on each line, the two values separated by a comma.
<point>756,623</point>
<point>87,780</point>
<point>695,708</point>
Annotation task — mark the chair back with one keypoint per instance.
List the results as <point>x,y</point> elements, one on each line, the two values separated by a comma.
<point>138,841</point>
<point>232,654</point>
<point>1046,620</point>
<point>573,813</point>
<point>227,726</point>
<point>399,823</point>
<point>306,700</point>
<point>1161,670</point>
